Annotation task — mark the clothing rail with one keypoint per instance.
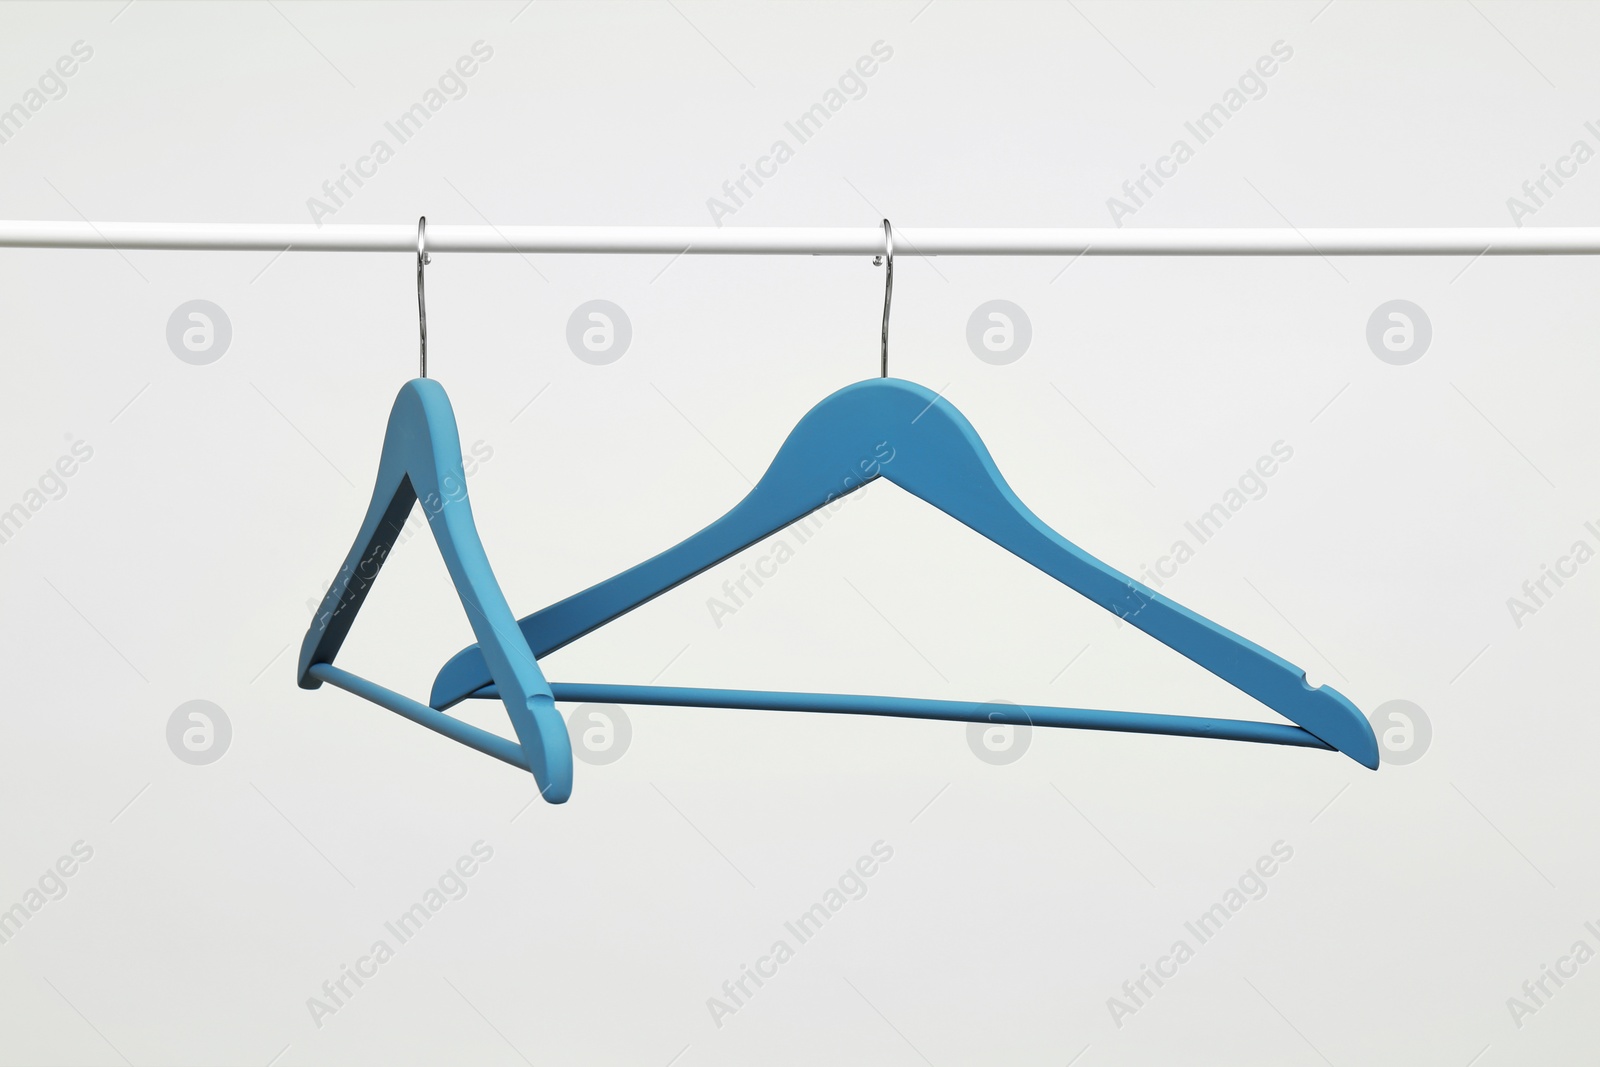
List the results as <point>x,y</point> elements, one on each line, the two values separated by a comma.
<point>777,241</point>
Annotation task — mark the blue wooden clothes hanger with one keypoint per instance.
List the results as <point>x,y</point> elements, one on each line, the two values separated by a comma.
<point>935,454</point>
<point>421,461</point>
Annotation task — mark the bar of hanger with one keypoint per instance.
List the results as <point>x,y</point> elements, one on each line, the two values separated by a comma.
<point>842,241</point>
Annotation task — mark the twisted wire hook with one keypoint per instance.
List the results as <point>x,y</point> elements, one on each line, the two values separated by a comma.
<point>887,260</point>
<point>423,259</point>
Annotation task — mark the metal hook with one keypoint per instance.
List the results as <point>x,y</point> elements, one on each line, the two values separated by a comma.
<point>423,259</point>
<point>886,259</point>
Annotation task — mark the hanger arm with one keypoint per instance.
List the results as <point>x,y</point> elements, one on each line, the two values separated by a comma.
<point>784,495</point>
<point>1275,682</point>
<point>950,468</point>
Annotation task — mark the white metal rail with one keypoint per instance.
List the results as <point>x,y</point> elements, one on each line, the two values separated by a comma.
<point>777,241</point>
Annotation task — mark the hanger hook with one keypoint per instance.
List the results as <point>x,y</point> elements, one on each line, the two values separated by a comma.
<point>423,259</point>
<point>886,260</point>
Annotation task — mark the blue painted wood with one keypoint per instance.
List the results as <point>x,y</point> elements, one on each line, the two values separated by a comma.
<point>1136,722</point>
<point>421,462</point>
<point>482,740</point>
<point>898,430</point>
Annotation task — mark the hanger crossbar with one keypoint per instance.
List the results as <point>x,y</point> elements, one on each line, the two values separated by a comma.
<point>816,241</point>
<point>1137,722</point>
<point>448,725</point>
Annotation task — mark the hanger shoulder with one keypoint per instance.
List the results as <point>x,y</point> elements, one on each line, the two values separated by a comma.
<point>831,452</point>
<point>421,463</point>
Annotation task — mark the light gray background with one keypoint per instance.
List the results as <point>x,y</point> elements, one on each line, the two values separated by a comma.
<point>179,564</point>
